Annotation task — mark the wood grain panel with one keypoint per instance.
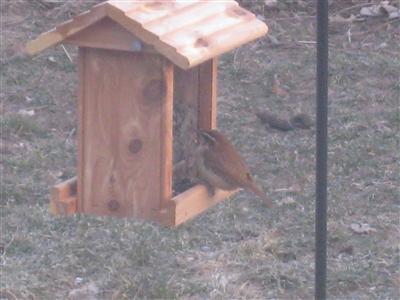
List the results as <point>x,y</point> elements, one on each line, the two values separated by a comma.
<point>125,97</point>
<point>201,48</point>
<point>203,28</point>
<point>186,16</point>
<point>126,5</point>
<point>153,10</point>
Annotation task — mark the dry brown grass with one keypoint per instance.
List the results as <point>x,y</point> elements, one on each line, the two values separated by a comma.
<point>239,249</point>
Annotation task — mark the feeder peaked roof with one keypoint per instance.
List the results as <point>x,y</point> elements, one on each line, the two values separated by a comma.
<point>186,32</point>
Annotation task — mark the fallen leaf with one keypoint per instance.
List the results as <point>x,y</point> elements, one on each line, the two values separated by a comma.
<point>271,239</point>
<point>59,174</point>
<point>286,201</point>
<point>362,228</point>
<point>381,46</point>
<point>78,280</point>
<point>271,3</point>
<point>87,291</point>
<point>383,8</point>
<point>26,112</point>
<point>394,14</point>
<point>392,11</point>
<point>371,11</point>
<point>340,19</point>
<point>274,41</point>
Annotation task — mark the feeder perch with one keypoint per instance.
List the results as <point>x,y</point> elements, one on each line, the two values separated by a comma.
<point>147,82</point>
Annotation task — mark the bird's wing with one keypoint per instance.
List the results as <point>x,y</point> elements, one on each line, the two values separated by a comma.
<point>229,165</point>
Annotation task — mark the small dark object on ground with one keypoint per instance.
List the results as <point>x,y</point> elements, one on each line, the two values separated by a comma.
<point>301,121</point>
<point>274,121</point>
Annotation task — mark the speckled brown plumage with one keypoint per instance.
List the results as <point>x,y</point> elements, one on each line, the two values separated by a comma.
<point>221,166</point>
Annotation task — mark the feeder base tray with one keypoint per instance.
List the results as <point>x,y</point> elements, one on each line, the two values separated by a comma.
<point>181,208</point>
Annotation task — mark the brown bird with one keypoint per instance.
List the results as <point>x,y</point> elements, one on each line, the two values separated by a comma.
<point>221,166</point>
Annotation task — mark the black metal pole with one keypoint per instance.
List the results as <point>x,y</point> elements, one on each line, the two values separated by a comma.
<point>322,149</point>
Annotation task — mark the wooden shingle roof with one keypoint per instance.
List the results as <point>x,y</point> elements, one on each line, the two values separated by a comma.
<point>188,32</point>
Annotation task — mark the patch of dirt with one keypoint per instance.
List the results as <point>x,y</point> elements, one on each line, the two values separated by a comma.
<point>238,249</point>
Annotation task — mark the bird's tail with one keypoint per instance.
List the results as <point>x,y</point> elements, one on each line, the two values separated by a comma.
<point>260,193</point>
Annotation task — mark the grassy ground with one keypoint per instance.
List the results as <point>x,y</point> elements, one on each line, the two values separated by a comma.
<point>238,249</point>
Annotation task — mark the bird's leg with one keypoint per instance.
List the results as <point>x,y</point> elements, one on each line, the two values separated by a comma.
<point>210,189</point>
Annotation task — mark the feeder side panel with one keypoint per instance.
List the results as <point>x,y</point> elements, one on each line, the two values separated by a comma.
<point>124,133</point>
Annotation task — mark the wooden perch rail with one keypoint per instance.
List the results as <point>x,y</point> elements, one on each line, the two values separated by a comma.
<point>180,209</point>
<point>189,204</point>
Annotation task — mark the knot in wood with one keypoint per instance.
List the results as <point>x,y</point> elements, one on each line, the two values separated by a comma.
<point>135,145</point>
<point>113,205</point>
<point>201,42</point>
<point>160,4</point>
<point>155,90</point>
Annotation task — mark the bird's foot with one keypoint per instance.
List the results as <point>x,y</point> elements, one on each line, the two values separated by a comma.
<point>209,187</point>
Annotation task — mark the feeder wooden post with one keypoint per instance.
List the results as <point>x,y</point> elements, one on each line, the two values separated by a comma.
<point>208,95</point>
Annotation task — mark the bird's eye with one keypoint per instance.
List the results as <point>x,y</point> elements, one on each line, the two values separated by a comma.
<point>210,139</point>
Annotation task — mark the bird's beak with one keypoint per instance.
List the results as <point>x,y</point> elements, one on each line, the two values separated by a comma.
<point>208,137</point>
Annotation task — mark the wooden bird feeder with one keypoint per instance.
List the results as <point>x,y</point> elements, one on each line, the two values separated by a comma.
<point>147,82</point>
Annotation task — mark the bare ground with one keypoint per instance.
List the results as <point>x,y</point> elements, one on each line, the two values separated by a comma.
<point>238,249</point>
